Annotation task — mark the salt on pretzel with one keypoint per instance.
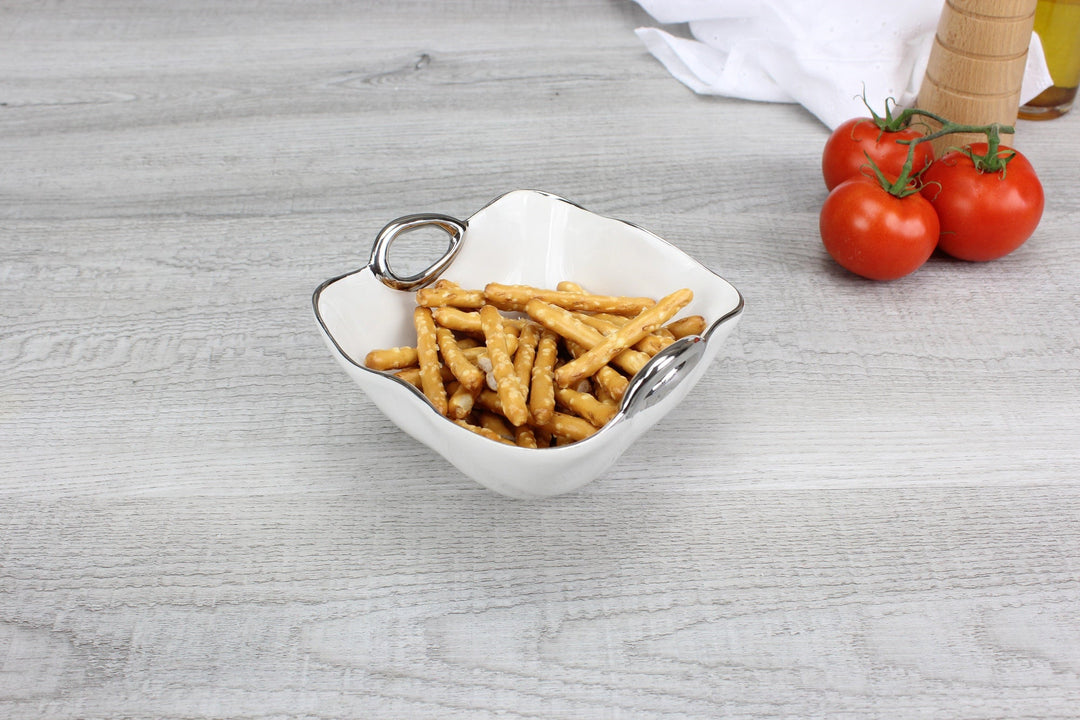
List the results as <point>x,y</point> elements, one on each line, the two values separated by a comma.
<point>515,297</point>
<point>427,351</point>
<point>542,387</point>
<point>612,345</point>
<point>509,389</point>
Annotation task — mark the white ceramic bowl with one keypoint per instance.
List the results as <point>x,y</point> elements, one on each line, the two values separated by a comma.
<point>532,238</point>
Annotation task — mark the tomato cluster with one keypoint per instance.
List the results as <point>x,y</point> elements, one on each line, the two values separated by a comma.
<point>891,203</point>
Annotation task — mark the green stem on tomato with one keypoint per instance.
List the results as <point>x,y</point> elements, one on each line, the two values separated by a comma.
<point>896,123</point>
<point>992,161</point>
<point>903,120</point>
<point>992,132</point>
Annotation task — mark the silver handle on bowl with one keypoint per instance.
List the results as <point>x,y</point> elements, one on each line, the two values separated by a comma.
<point>379,261</point>
<point>663,373</point>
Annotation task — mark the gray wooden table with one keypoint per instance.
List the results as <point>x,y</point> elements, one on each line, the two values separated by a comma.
<point>870,508</point>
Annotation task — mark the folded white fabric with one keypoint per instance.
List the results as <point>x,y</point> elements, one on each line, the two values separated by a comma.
<point>822,55</point>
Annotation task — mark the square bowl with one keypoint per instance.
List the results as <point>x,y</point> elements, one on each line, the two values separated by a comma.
<point>531,238</point>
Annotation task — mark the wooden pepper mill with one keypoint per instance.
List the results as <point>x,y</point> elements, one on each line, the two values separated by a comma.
<point>976,65</point>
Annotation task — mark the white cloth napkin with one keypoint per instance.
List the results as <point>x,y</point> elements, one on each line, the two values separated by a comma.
<point>820,54</point>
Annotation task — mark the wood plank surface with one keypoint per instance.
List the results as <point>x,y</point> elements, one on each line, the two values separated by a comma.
<point>868,508</point>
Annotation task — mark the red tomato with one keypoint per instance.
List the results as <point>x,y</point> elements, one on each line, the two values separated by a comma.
<point>875,234</point>
<point>984,215</point>
<point>843,156</point>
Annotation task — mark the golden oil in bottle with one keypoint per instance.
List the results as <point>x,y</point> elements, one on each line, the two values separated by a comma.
<point>1058,24</point>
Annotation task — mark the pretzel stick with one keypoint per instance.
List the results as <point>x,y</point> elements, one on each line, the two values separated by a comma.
<point>526,355</point>
<point>617,320</point>
<point>598,322</point>
<point>482,431</point>
<point>516,297</point>
<point>602,393</point>
<point>606,377</point>
<point>484,362</point>
<point>497,424</point>
<point>647,321</point>
<point>653,343</point>
<point>650,344</point>
<point>475,353</point>
<point>489,400</point>
<point>692,325</point>
<point>607,323</point>
<point>510,393</point>
<point>391,358</point>
<point>449,294</point>
<point>460,403</point>
<point>542,388</point>
<point>411,376</point>
<point>569,427</point>
<point>663,332</point>
<point>459,320</point>
<point>525,437</point>
<point>471,377</point>
<point>586,406</point>
<point>563,322</point>
<point>401,358</point>
<point>427,351</point>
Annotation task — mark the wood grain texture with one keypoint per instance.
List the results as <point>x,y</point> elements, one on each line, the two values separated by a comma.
<point>869,508</point>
